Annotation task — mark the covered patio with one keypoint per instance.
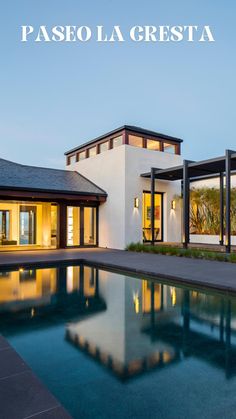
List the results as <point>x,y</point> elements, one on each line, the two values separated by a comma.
<point>191,171</point>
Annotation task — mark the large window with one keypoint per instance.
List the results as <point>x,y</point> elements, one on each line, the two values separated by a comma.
<point>27,225</point>
<point>147,232</point>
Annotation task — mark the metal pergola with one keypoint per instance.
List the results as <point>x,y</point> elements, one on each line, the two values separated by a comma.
<point>192,171</point>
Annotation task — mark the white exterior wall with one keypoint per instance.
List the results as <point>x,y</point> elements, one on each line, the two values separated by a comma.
<point>118,171</point>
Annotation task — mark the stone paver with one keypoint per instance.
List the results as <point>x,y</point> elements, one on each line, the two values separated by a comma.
<point>22,395</point>
<point>218,275</point>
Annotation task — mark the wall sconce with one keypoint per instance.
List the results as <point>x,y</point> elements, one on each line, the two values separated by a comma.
<point>136,202</point>
<point>136,302</point>
<point>173,204</point>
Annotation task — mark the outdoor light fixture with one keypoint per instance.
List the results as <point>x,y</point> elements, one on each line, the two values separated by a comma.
<point>173,204</point>
<point>136,202</point>
<point>136,302</point>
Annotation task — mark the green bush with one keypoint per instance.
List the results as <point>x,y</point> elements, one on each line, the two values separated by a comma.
<point>176,251</point>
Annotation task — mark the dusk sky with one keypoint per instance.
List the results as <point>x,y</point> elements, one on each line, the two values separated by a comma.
<point>55,96</point>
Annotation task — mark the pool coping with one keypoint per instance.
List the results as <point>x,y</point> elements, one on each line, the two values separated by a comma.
<point>22,394</point>
<point>138,264</point>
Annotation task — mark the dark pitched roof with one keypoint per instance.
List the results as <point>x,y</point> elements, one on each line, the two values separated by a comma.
<point>133,128</point>
<point>19,176</point>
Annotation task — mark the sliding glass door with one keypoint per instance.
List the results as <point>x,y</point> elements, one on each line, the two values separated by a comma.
<point>28,224</point>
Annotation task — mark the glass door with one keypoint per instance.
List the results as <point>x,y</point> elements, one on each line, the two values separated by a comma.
<point>158,217</point>
<point>27,225</point>
<point>90,235</point>
<point>4,226</point>
<point>73,226</point>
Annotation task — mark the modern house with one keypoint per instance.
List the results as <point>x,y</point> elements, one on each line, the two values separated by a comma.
<point>118,188</point>
<point>116,161</point>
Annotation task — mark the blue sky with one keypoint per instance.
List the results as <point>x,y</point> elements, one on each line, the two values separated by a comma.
<point>56,96</point>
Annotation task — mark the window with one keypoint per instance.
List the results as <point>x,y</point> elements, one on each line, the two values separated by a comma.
<point>117,141</point>
<point>82,155</point>
<point>28,224</point>
<point>104,147</point>
<point>153,145</point>
<point>72,159</point>
<point>170,148</point>
<point>135,141</point>
<point>92,151</point>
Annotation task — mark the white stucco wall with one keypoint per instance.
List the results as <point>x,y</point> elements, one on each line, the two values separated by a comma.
<point>118,171</point>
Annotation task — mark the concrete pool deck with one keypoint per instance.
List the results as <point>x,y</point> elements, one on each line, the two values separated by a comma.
<point>22,395</point>
<point>194,272</point>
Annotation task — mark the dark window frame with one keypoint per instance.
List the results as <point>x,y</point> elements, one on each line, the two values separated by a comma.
<point>162,216</point>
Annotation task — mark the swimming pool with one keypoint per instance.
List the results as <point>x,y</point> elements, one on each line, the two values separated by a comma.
<point>108,344</point>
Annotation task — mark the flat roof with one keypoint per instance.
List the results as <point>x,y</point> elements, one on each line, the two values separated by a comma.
<point>195,169</point>
<point>17,176</point>
<point>132,128</point>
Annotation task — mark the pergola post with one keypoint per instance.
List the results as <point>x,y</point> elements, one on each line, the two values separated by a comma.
<point>185,226</point>
<point>228,201</point>
<point>152,206</point>
<point>221,241</point>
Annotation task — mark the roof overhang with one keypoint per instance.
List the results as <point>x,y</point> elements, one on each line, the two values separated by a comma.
<point>22,193</point>
<point>202,169</point>
<point>128,128</point>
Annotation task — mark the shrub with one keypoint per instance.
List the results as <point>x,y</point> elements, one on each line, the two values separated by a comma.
<point>176,251</point>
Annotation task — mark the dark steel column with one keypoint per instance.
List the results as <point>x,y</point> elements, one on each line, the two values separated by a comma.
<point>62,225</point>
<point>185,234</point>
<point>153,205</point>
<point>228,201</point>
<point>221,241</point>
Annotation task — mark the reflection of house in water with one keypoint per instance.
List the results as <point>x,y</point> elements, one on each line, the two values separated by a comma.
<point>114,337</point>
<point>149,325</point>
<point>32,293</point>
<point>128,325</point>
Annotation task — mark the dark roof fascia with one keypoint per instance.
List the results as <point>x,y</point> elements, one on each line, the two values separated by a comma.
<point>52,191</point>
<point>122,128</point>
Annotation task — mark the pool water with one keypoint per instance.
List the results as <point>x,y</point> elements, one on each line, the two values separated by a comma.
<point>108,345</point>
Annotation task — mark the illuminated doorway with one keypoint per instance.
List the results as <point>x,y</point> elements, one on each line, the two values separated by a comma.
<point>158,217</point>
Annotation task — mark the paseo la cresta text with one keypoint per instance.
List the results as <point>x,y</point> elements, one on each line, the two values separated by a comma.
<point>71,33</point>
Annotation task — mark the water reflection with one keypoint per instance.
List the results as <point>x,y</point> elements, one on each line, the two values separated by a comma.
<point>33,294</point>
<point>128,325</point>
